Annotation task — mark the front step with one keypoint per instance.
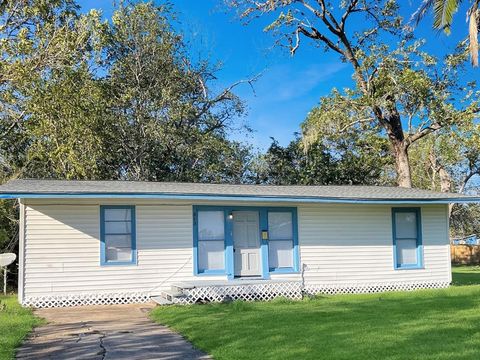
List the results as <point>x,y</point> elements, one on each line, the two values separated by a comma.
<point>171,294</point>
<point>161,300</point>
<point>220,291</point>
<point>168,297</point>
<point>180,286</point>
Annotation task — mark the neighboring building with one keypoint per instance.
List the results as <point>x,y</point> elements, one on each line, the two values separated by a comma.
<point>466,240</point>
<point>100,242</point>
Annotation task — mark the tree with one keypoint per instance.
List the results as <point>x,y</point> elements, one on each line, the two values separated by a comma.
<point>83,98</point>
<point>169,124</point>
<point>444,10</point>
<point>69,128</point>
<point>320,164</point>
<point>47,92</point>
<point>448,161</point>
<point>394,87</point>
<point>465,220</point>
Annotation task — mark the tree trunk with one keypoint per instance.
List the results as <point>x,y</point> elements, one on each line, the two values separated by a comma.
<point>402,164</point>
<point>445,185</point>
<point>445,180</point>
<point>393,126</point>
<point>438,168</point>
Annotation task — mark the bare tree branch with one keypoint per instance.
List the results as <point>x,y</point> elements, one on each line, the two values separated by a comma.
<point>360,121</point>
<point>297,42</point>
<point>315,34</point>
<point>229,89</point>
<point>351,7</point>
<point>12,126</point>
<point>466,179</point>
<point>422,133</point>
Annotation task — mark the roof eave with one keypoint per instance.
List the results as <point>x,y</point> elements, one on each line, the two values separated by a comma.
<point>217,197</point>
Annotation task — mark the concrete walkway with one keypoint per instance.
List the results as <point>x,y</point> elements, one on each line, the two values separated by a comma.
<point>104,332</point>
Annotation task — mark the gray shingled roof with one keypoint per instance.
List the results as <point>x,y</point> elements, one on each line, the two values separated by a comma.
<point>61,188</point>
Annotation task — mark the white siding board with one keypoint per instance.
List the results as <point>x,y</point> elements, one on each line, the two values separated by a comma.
<point>63,250</point>
<point>352,244</point>
<point>339,244</point>
<point>21,252</point>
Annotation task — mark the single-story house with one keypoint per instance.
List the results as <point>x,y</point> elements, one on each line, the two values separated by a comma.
<point>102,242</point>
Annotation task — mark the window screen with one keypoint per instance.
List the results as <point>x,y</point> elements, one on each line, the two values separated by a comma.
<point>211,240</point>
<point>117,234</point>
<point>407,237</point>
<point>280,244</point>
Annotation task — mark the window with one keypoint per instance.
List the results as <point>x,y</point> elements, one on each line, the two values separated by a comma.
<point>211,241</point>
<point>281,240</point>
<point>117,229</point>
<point>407,239</point>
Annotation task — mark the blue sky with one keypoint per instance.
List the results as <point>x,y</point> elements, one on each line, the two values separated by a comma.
<point>289,86</point>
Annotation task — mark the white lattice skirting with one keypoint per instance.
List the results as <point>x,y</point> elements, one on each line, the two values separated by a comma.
<point>86,299</point>
<point>372,288</point>
<point>246,292</point>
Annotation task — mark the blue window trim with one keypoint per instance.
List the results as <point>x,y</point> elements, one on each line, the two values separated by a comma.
<point>296,257</point>
<point>419,264</point>
<point>196,270</point>
<point>103,253</point>
<point>229,257</point>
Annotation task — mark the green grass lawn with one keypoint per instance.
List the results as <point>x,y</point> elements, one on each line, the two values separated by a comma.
<point>465,275</point>
<point>15,323</point>
<point>430,324</point>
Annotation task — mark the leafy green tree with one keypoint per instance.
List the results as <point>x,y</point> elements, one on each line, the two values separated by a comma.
<point>8,226</point>
<point>450,162</point>
<point>400,92</point>
<point>322,163</point>
<point>444,10</point>
<point>170,126</point>
<point>69,128</point>
<point>465,220</point>
<point>84,98</point>
<point>46,49</point>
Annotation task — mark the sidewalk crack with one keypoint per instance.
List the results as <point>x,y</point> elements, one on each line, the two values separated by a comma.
<point>103,350</point>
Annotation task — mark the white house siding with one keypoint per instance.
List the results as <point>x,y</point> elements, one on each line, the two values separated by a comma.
<point>351,245</point>
<point>62,252</point>
<point>340,245</point>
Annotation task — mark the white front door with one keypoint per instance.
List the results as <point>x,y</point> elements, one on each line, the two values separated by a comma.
<point>246,243</point>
